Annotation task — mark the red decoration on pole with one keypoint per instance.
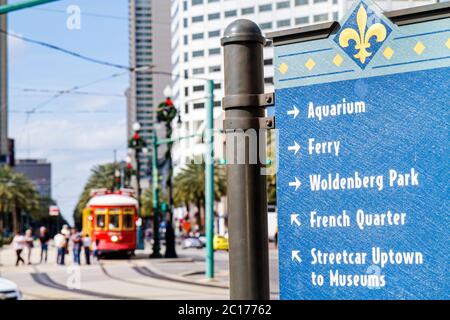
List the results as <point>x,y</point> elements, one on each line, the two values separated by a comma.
<point>169,102</point>
<point>136,136</point>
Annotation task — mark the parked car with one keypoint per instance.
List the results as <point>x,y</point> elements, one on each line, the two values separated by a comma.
<point>202,238</point>
<point>220,243</point>
<point>9,290</point>
<point>192,242</point>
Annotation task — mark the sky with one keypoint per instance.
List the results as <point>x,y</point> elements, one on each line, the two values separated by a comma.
<point>74,132</point>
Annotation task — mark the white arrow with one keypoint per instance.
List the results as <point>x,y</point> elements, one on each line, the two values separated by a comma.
<point>294,112</point>
<point>295,256</point>
<point>295,184</point>
<point>294,148</point>
<point>294,219</point>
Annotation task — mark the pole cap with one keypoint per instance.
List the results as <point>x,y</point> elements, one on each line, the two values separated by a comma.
<point>243,30</point>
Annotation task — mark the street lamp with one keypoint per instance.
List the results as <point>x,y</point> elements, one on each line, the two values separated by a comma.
<point>166,113</point>
<point>137,144</point>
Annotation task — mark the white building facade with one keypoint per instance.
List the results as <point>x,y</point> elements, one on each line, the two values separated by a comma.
<point>149,47</point>
<point>197,27</point>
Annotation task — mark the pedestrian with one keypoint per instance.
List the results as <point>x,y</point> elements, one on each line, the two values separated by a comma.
<point>60,243</point>
<point>95,249</point>
<point>87,248</point>
<point>76,245</point>
<point>29,243</point>
<point>18,245</point>
<point>44,238</point>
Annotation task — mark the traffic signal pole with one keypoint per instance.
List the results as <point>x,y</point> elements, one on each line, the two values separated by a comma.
<point>209,181</point>
<point>244,104</point>
<point>155,203</point>
<point>22,5</point>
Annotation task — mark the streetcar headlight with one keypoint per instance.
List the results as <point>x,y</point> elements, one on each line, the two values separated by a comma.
<point>114,238</point>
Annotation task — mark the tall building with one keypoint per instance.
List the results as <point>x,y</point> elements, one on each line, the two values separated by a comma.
<point>197,26</point>
<point>149,46</point>
<point>3,90</point>
<point>39,171</point>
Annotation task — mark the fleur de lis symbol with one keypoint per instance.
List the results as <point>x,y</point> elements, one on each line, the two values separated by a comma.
<point>362,39</point>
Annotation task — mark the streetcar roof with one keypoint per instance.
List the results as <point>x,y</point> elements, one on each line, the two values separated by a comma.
<point>112,200</point>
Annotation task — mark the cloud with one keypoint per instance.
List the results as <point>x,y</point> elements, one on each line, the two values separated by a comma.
<point>48,135</point>
<point>73,148</point>
<point>16,48</point>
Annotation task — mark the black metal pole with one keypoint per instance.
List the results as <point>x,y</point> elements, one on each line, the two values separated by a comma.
<point>170,232</point>
<point>138,178</point>
<point>155,203</point>
<point>243,45</point>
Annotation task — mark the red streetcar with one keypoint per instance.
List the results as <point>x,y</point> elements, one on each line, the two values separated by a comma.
<point>110,220</point>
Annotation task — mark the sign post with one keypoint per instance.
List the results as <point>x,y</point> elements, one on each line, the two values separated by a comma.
<point>362,112</point>
<point>244,104</point>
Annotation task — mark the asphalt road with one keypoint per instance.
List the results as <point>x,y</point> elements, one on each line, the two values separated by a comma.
<point>135,278</point>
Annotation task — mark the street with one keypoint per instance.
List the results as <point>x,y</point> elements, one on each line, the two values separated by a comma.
<point>136,278</point>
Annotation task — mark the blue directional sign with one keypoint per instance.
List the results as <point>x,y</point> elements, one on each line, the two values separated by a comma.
<point>362,184</point>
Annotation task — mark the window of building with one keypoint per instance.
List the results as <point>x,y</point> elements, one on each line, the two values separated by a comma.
<point>283,23</point>
<point>249,10</point>
<point>301,20</point>
<point>268,80</point>
<point>214,69</point>
<point>186,108</point>
<point>231,13</point>
<point>301,2</point>
<point>198,53</point>
<point>185,5</point>
<point>185,39</point>
<point>199,105</point>
<point>198,88</point>
<point>335,16</point>
<point>185,22</point>
<point>214,51</point>
<point>217,103</point>
<point>198,71</point>
<point>213,1</point>
<point>217,86</point>
<point>197,36</point>
<point>283,4</point>
<point>265,7</point>
<point>214,16</point>
<point>196,2</point>
<point>319,1</point>
<point>268,62</point>
<point>266,25</point>
<point>321,17</point>
<point>186,57</point>
<point>214,34</point>
<point>186,74</point>
<point>197,19</point>
<point>186,91</point>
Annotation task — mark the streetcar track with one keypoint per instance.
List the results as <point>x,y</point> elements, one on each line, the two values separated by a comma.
<point>108,274</point>
<point>45,280</point>
<point>151,274</point>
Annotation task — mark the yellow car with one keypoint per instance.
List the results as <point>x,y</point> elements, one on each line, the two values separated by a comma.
<point>220,243</point>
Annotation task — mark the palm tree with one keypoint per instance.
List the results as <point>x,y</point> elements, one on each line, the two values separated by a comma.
<point>147,203</point>
<point>102,176</point>
<point>17,193</point>
<point>189,187</point>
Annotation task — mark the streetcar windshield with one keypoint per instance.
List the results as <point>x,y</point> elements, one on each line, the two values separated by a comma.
<point>128,218</point>
<point>114,218</point>
<point>100,221</point>
<point>128,221</point>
